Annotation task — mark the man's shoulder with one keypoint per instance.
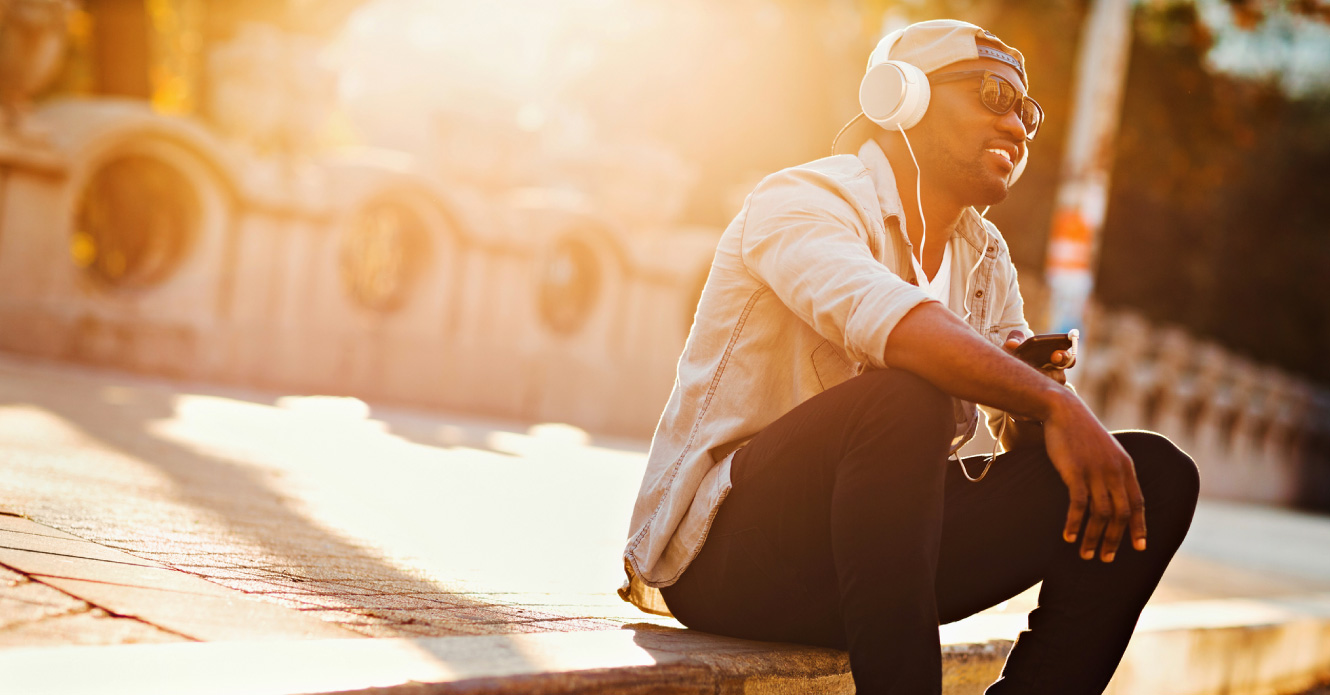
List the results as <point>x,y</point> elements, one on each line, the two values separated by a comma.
<point>839,166</point>
<point>839,178</point>
<point>841,169</point>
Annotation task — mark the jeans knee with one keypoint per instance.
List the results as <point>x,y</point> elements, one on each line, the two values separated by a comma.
<point>1162,468</point>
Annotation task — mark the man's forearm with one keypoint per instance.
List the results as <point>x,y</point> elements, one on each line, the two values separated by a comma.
<point>934,343</point>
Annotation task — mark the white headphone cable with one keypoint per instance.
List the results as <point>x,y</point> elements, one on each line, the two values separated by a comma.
<point>845,128</point>
<point>918,196</point>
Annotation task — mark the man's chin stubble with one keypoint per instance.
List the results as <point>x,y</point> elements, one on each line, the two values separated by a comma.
<point>989,192</point>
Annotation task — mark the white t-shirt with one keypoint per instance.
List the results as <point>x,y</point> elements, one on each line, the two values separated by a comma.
<point>940,286</point>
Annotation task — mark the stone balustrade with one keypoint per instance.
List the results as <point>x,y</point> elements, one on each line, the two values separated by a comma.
<point>1256,432</point>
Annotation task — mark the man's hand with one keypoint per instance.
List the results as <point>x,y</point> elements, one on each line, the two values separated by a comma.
<point>1060,360</point>
<point>1100,479</point>
<point>1098,472</point>
<point>1018,432</point>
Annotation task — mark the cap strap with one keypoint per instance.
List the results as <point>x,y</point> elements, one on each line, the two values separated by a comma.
<point>1001,56</point>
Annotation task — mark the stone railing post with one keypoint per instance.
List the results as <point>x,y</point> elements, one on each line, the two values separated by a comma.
<point>1208,438</point>
<point>32,45</point>
<point>1171,392</point>
<point>1120,371</point>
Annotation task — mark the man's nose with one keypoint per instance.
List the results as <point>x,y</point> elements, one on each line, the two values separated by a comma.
<point>1010,122</point>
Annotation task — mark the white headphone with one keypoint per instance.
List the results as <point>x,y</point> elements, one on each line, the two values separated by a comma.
<point>895,94</point>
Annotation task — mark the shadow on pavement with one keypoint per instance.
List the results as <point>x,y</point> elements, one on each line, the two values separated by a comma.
<point>97,471</point>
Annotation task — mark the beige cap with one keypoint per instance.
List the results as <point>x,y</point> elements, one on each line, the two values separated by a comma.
<point>937,43</point>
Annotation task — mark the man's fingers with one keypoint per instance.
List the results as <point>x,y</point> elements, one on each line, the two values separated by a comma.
<point>1137,502</point>
<point>1056,374</point>
<point>1075,511</point>
<point>1014,339</point>
<point>1101,514</point>
<point>1121,515</point>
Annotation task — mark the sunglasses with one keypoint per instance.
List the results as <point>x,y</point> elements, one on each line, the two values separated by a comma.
<point>1000,96</point>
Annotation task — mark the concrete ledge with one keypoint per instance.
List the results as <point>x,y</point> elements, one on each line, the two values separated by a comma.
<point>1229,647</point>
<point>651,660</point>
<point>1238,647</point>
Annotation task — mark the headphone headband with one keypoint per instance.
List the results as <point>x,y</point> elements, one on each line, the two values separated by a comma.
<point>882,51</point>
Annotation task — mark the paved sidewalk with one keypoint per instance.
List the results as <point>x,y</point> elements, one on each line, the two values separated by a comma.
<point>137,512</point>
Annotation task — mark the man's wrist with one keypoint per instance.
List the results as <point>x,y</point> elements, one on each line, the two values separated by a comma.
<point>1055,399</point>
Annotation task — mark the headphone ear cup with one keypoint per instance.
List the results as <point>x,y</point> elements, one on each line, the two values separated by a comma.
<point>894,94</point>
<point>1020,165</point>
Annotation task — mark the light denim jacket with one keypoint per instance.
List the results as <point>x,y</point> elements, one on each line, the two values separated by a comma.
<point>806,286</point>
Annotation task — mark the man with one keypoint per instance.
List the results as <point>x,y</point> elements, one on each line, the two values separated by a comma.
<point>798,486</point>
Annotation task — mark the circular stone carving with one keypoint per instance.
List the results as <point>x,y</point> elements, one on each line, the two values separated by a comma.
<point>137,217</point>
<point>383,254</point>
<point>569,285</point>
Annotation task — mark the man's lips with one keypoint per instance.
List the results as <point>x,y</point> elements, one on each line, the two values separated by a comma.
<point>1002,159</point>
<point>1005,152</point>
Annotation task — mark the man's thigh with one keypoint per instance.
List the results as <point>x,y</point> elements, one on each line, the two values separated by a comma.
<point>768,561</point>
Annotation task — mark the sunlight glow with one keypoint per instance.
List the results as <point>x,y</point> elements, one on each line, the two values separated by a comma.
<point>361,475</point>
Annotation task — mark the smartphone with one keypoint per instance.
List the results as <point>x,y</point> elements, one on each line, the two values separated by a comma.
<point>1037,351</point>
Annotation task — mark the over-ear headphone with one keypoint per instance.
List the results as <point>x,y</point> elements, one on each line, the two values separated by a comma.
<point>895,94</point>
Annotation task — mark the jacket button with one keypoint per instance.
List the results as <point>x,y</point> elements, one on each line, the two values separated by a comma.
<point>979,293</point>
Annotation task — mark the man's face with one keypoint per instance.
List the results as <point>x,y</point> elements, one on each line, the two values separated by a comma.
<point>963,146</point>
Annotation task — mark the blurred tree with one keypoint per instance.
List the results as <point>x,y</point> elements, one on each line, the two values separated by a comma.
<point>1213,219</point>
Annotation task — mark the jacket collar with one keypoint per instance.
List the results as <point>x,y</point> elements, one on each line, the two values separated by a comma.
<point>970,227</point>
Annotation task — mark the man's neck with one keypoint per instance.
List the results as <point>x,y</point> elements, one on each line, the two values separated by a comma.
<point>941,210</point>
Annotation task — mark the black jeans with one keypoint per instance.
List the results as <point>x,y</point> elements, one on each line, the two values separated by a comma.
<point>847,527</point>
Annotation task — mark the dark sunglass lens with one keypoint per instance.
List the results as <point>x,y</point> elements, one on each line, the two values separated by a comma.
<point>1031,117</point>
<point>1009,95</point>
<point>994,97</point>
<point>1000,96</point>
<point>988,93</point>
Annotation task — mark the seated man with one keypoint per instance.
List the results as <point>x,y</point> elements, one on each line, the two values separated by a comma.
<point>799,486</point>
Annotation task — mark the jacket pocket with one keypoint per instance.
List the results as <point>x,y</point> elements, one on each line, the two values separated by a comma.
<point>831,368</point>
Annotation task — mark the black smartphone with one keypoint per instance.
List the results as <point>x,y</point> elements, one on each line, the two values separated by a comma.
<point>1037,351</point>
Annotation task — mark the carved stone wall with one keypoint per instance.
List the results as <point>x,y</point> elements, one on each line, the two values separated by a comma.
<point>169,249</point>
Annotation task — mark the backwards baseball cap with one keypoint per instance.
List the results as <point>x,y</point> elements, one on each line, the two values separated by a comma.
<point>938,43</point>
